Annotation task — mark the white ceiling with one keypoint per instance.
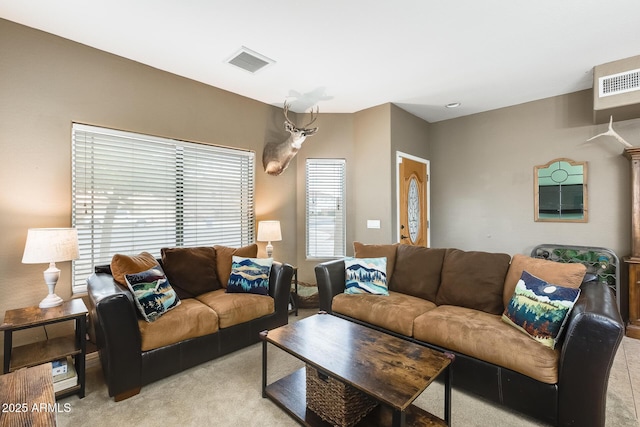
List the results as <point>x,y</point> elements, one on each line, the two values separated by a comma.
<point>348,55</point>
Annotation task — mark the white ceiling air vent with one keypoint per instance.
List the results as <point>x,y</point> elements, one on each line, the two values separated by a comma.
<point>615,84</point>
<point>616,90</point>
<point>249,60</point>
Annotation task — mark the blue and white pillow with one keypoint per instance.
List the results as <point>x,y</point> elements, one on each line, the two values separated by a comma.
<point>152,293</point>
<point>366,276</point>
<point>540,309</point>
<point>249,275</point>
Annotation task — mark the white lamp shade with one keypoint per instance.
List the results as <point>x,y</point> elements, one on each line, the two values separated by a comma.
<point>46,245</point>
<point>269,231</point>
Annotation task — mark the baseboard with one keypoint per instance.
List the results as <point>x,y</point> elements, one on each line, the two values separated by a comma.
<point>92,360</point>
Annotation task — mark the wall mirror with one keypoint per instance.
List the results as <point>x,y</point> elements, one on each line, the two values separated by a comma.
<point>560,189</point>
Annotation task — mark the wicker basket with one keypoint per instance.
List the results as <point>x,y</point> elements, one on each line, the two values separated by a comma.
<point>336,402</point>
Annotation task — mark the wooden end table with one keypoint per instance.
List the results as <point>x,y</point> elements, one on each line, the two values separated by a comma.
<point>41,352</point>
<point>27,397</point>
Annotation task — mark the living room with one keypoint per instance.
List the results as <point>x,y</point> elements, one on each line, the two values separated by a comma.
<point>481,191</point>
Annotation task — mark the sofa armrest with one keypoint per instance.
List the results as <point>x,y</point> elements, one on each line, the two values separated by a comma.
<point>115,322</point>
<point>280,286</point>
<point>331,282</point>
<point>593,333</point>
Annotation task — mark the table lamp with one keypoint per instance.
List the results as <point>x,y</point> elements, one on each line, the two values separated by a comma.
<point>269,231</point>
<point>50,245</point>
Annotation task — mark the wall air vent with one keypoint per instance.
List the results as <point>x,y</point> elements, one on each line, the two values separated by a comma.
<point>615,84</point>
<point>249,60</point>
<point>616,90</point>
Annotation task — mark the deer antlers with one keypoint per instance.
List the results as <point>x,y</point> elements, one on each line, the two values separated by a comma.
<point>313,119</point>
<point>612,133</point>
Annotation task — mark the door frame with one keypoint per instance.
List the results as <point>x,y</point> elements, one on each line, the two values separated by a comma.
<point>399,156</point>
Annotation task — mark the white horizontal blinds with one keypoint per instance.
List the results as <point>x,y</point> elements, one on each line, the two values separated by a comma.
<point>218,196</point>
<point>325,202</point>
<point>134,193</point>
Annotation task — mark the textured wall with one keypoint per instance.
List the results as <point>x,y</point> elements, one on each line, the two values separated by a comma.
<point>47,82</point>
<point>482,178</point>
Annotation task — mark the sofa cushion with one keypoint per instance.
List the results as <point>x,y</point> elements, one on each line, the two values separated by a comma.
<point>224,255</point>
<point>366,276</point>
<point>129,264</point>
<point>152,293</point>
<point>191,271</point>
<point>249,275</point>
<point>233,309</point>
<point>540,309</point>
<point>190,319</point>
<point>486,337</point>
<point>395,312</point>
<point>569,275</point>
<point>417,271</point>
<point>473,280</point>
<point>377,251</point>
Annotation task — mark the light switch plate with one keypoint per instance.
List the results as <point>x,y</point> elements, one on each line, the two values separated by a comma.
<point>373,223</point>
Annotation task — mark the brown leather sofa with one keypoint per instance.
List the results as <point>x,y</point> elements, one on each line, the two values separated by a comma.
<point>134,353</point>
<point>452,300</point>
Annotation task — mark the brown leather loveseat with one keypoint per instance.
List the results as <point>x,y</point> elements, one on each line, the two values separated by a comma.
<point>208,322</point>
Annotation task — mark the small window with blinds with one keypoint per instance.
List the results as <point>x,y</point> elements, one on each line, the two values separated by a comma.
<point>325,211</point>
<point>134,193</point>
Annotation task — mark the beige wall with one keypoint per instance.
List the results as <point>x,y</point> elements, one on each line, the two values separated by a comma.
<point>46,83</point>
<point>482,177</point>
<point>333,140</point>
<point>372,191</point>
<point>409,135</point>
<point>368,140</point>
<point>481,165</point>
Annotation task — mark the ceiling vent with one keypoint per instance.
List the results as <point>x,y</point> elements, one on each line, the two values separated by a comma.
<point>249,60</point>
<point>616,90</point>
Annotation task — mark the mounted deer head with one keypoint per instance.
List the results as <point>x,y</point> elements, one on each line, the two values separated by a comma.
<point>277,155</point>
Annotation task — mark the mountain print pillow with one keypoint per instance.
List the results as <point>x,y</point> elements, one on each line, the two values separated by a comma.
<point>152,293</point>
<point>249,275</point>
<point>540,309</point>
<point>366,276</point>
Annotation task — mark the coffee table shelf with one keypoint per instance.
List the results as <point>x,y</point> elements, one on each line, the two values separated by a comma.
<point>389,369</point>
<point>290,394</point>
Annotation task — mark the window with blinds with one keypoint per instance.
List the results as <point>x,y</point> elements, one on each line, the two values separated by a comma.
<point>325,212</point>
<point>134,193</point>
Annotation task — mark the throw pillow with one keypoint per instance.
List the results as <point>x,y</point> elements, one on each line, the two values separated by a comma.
<point>152,293</point>
<point>130,264</point>
<point>191,271</point>
<point>563,274</point>
<point>249,275</point>
<point>362,250</point>
<point>540,309</point>
<point>366,276</point>
<point>473,280</point>
<point>417,271</point>
<point>224,256</point>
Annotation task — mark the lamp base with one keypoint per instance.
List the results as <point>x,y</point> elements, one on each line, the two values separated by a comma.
<point>51,300</point>
<point>269,249</point>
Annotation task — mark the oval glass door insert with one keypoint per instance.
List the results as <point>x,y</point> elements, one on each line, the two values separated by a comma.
<point>413,210</point>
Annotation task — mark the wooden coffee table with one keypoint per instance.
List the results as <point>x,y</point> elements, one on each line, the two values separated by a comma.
<point>391,370</point>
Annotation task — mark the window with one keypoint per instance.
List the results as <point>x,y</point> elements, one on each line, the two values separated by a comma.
<point>325,208</point>
<point>134,193</point>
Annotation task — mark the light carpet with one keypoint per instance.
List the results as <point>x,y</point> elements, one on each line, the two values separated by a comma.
<point>227,392</point>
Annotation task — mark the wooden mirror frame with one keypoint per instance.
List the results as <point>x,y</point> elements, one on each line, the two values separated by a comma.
<point>536,190</point>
